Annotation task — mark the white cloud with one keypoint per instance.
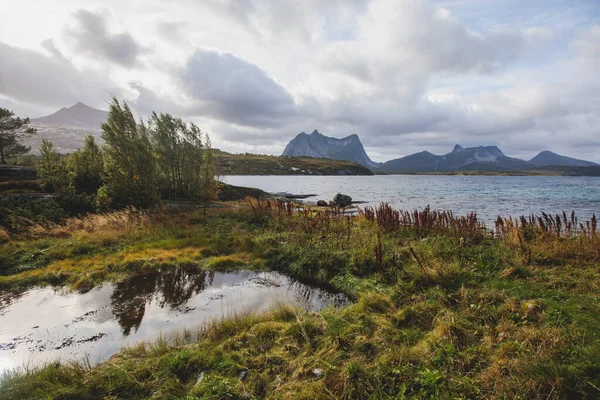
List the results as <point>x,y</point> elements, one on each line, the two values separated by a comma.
<point>406,75</point>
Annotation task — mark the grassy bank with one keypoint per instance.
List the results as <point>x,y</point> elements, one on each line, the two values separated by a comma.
<point>258,164</point>
<point>442,308</point>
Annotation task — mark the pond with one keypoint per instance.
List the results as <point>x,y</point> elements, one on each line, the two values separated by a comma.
<point>45,324</point>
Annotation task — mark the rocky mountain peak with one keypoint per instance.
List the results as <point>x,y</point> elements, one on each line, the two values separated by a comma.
<point>318,145</point>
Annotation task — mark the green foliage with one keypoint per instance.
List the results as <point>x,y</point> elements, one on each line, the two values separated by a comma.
<point>102,200</point>
<point>259,164</point>
<point>209,183</point>
<point>87,166</point>
<point>131,170</point>
<point>54,172</point>
<point>12,130</point>
<point>178,150</point>
<point>215,388</point>
<point>17,214</point>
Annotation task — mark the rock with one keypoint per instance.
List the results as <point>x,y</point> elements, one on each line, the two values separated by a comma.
<point>318,373</point>
<point>322,203</point>
<point>237,193</point>
<point>243,376</point>
<point>342,200</point>
<point>292,196</point>
<point>332,204</point>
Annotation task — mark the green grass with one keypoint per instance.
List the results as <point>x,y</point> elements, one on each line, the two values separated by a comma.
<point>434,314</point>
<point>257,164</point>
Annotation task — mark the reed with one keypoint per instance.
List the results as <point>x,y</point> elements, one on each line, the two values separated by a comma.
<point>426,222</point>
<point>546,225</point>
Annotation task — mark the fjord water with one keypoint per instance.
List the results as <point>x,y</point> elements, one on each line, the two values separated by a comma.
<point>488,196</point>
<point>47,324</point>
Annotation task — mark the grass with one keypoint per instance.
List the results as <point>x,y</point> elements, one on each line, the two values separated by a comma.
<point>442,308</point>
<point>257,164</point>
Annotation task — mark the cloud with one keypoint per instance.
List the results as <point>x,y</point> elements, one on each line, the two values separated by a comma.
<point>229,88</point>
<point>587,43</point>
<point>406,75</point>
<point>89,35</point>
<point>28,76</point>
<point>173,31</point>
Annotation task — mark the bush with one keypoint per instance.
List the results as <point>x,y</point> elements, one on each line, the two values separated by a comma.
<point>19,213</point>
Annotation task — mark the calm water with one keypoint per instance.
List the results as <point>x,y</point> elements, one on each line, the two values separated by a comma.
<point>46,324</point>
<point>489,196</point>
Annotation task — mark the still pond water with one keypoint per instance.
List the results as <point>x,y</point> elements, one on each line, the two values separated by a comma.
<point>46,324</point>
<point>489,196</point>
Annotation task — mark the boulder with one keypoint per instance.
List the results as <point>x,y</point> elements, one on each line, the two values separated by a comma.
<point>342,200</point>
<point>332,204</point>
<point>322,203</point>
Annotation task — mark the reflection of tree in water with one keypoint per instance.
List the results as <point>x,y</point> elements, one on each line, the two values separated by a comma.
<point>171,288</point>
<point>307,295</point>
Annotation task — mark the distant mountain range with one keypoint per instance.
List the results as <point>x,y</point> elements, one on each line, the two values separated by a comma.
<point>482,158</point>
<point>67,128</point>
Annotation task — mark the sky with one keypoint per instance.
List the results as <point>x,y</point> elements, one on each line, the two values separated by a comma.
<point>405,75</point>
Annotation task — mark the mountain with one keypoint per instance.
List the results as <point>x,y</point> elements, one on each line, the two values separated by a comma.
<point>67,128</point>
<point>422,162</point>
<point>547,158</point>
<point>482,158</point>
<point>320,146</point>
<point>77,116</point>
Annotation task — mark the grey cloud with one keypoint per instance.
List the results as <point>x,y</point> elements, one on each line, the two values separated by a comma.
<point>368,67</point>
<point>226,87</point>
<point>27,76</point>
<point>90,35</point>
<point>397,38</point>
<point>271,20</point>
<point>149,101</point>
<point>49,45</point>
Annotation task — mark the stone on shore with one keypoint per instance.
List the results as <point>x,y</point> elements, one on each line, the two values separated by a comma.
<point>342,200</point>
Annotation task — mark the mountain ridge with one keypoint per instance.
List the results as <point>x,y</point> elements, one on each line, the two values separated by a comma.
<point>67,128</point>
<point>479,158</point>
<point>78,115</point>
<point>69,125</point>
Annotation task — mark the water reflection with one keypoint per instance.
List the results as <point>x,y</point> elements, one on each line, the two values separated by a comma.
<point>40,325</point>
<point>167,289</point>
